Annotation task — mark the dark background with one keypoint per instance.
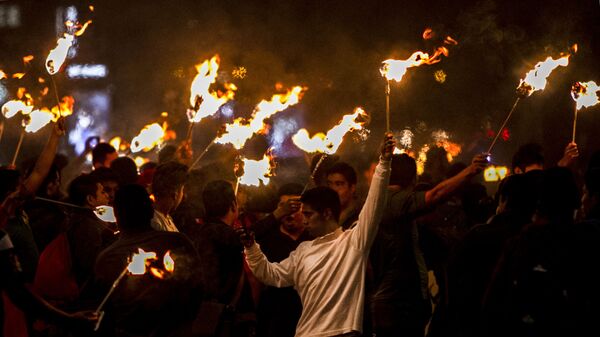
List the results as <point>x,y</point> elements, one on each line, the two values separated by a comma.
<point>335,49</point>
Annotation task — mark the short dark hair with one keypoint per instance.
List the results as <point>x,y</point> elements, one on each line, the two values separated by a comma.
<point>125,169</point>
<point>81,187</point>
<point>168,178</point>
<point>104,174</point>
<point>321,198</point>
<point>218,197</point>
<point>167,153</point>
<point>404,170</point>
<point>133,208</point>
<point>290,189</point>
<point>520,191</point>
<point>526,155</point>
<point>345,170</point>
<point>100,151</point>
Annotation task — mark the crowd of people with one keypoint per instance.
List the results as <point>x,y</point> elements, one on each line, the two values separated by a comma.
<point>429,255</point>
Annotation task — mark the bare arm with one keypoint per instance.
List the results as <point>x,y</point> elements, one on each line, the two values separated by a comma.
<point>44,161</point>
<point>446,187</point>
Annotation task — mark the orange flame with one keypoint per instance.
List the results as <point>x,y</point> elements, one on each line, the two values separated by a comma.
<point>257,171</point>
<point>149,137</point>
<point>37,119</point>
<point>209,102</point>
<point>329,143</point>
<point>116,143</point>
<point>536,79</point>
<point>139,161</point>
<point>58,55</point>
<point>18,75</point>
<point>168,262</point>
<point>585,94</point>
<point>396,69</point>
<point>66,108</point>
<point>27,59</point>
<point>3,75</point>
<point>240,131</point>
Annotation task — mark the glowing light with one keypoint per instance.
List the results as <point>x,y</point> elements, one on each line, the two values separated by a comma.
<point>405,138</point>
<point>495,173</point>
<point>87,71</point>
<point>205,102</point>
<point>149,137</point>
<point>330,142</point>
<point>257,171</point>
<point>585,94</point>
<point>58,55</point>
<point>140,261</point>
<point>168,262</point>
<point>536,79</point>
<point>240,131</point>
<point>66,108</point>
<point>139,161</point>
<point>11,108</point>
<point>37,119</point>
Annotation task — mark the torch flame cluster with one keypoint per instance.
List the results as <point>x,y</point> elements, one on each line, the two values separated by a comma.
<point>240,131</point>
<point>396,69</point>
<point>330,142</point>
<point>58,55</point>
<point>35,119</point>
<point>257,171</point>
<point>585,94</point>
<point>141,263</point>
<point>204,101</point>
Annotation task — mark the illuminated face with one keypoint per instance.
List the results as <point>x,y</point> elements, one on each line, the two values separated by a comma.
<point>110,187</point>
<point>314,222</point>
<point>101,197</point>
<point>109,159</point>
<point>292,223</point>
<point>342,187</point>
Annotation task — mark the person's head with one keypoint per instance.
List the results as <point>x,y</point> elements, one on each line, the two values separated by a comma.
<point>125,169</point>
<point>50,187</point>
<point>528,157</point>
<point>559,197</point>
<point>133,208</point>
<point>292,223</point>
<point>87,191</point>
<point>321,210</point>
<point>518,193</point>
<point>109,180</point>
<point>590,201</point>
<point>219,201</point>
<point>103,154</point>
<point>404,171</point>
<point>168,182</point>
<point>341,178</point>
<point>167,153</point>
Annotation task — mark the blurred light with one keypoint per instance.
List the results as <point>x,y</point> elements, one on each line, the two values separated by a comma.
<point>84,121</point>
<point>282,129</point>
<point>71,13</point>
<point>227,110</point>
<point>87,71</point>
<point>10,16</point>
<point>3,93</point>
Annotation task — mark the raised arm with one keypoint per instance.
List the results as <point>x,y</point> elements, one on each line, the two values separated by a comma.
<point>372,211</point>
<point>44,161</point>
<point>446,187</point>
<point>273,274</point>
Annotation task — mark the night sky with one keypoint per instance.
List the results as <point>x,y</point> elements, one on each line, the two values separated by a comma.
<point>335,49</point>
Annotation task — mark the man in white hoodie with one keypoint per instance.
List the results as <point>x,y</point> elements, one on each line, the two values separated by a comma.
<point>329,272</point>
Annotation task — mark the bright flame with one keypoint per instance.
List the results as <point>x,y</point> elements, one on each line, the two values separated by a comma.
<point>140,261</point>
<point>208,102</point>
<point>150,136</point>
<point>238,132</point>
<point>139,161</point>
<point>66,108</point>
<point>256,171</point>
<point>585,94</point>
<point>3,74</point>
<point>37,119</point>
<point>11,108</point>
<point>329,143</point>
<point>116,143</point>
<point>168,262</point>
<point>536,79</point>
<point>57,56</point>
<point>105,213</point>
<point>18,75</point>
<point>406,138</point>
<point>422,159</point>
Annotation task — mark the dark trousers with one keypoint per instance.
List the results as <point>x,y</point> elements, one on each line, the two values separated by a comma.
<point>400,318</point>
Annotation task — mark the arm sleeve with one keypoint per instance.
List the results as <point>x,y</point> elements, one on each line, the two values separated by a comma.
<point>273,274</point>
<point>372,211</point>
